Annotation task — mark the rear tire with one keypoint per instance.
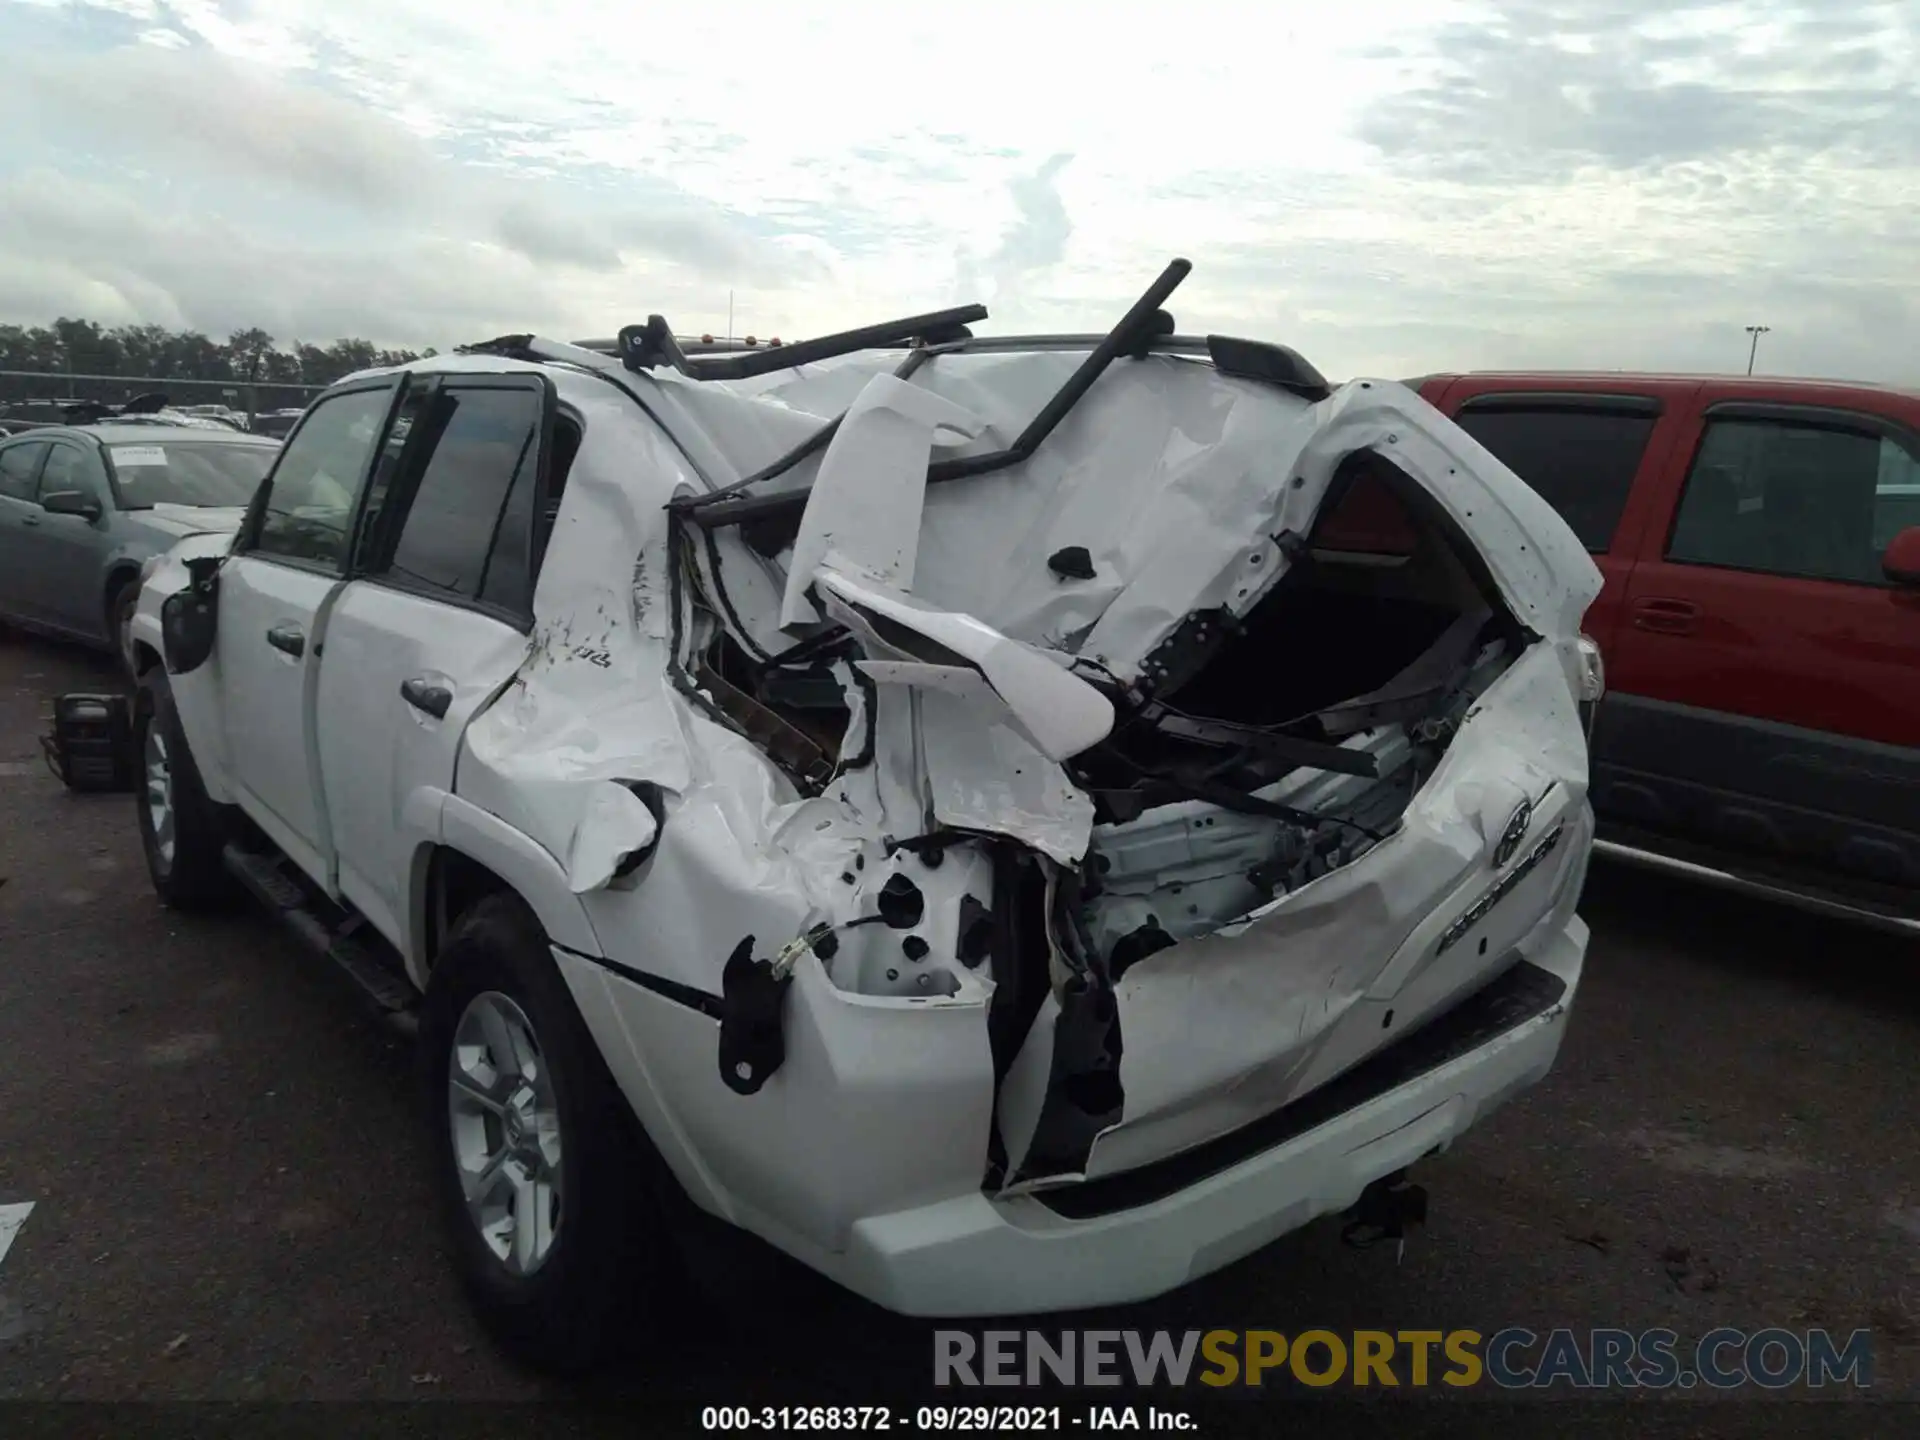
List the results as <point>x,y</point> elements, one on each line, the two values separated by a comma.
<point>181,830</point>
<point>499,1033</point>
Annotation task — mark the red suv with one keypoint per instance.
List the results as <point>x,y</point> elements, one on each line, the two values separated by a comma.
<point>1760,621</point>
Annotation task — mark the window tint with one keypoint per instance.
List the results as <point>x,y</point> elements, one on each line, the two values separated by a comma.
<point>1581,462</point>
<point>1787,499</point>
<point>17,464</point>
<point>484,439</point>
<point>67,469</point>
<point>309,505</point>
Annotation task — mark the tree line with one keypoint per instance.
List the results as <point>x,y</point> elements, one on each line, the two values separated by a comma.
<point>83,347</point>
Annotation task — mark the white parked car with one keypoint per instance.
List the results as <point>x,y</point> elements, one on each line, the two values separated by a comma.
<point>1015,823</point>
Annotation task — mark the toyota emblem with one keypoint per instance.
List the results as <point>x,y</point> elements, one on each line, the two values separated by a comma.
<point>1515,832</point>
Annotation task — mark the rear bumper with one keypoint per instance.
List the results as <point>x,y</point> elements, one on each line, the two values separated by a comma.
<point>1140,1234</point>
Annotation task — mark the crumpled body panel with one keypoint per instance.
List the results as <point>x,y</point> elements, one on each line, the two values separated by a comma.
<point>1189,491</point>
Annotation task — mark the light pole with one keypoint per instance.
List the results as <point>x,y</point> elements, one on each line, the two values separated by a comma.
<point>1756,331</point>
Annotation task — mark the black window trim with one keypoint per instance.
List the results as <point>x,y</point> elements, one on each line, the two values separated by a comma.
<point>405,485</point>
<point>1814,417</point>
<point>1607,402</point>
<point>245,542</point>
<point>46,448</point>
<point>1862,423</point>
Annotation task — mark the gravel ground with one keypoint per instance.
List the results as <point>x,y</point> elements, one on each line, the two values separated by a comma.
<point>229,1203</point>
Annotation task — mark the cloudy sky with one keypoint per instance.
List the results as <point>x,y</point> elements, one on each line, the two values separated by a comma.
<point>1392,187</point>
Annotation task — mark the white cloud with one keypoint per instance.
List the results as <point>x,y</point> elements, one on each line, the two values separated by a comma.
<point>1421,184</point>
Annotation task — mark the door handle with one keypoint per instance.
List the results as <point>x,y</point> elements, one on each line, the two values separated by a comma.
<point>29,519</point>
<point>1666,617</point>
<point>427,697</point>
<point>287,639</point>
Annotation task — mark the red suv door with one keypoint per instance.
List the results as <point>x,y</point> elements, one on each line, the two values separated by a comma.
<point>1765,686</point>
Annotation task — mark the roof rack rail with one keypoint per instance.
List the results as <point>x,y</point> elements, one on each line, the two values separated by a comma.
<point>772,516</point>
<point>648,346</point>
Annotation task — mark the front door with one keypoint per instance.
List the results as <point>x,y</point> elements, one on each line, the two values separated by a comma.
<point>20,518</point>
<point>274,596</point>
<point>1765,686</point>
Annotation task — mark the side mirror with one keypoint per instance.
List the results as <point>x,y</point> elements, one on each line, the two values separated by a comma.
<point>71,502</point>
<point>1901,563</point>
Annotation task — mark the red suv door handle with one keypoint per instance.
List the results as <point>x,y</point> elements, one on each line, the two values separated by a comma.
<point>1666,617</point>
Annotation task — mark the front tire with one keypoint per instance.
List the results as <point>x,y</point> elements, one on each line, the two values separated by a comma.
<point>550,1193</point>
<point>181,830</point>
<point>120,625</point>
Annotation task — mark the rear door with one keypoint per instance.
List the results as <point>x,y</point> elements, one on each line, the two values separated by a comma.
<point>1765,690</point>
<point>435,620</point>
<point>20,516</point>
<point>290,559</point>
<point>68,557</point>
<point>1583,452</point>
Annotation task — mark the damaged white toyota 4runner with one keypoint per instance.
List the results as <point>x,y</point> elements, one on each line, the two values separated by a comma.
<point>1017,824</point>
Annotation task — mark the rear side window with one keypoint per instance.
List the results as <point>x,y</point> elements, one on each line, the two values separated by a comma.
<point>486,443</point>
<point>17,464</point>
<point>1790,499</point>
<point>1581,462</point>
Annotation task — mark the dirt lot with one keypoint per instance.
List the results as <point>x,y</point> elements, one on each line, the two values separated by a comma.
<point>222,1155</point>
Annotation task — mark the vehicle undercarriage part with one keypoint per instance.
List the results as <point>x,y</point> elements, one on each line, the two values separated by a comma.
<point>1384,1211</point>
<point>90,747</point>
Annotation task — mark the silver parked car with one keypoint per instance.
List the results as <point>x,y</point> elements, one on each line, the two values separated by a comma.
<point>83,506</point>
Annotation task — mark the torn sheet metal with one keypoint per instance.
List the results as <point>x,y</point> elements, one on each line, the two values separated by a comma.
<point>1058,712</point>
<point>864,516</point>
<point>615,829</point>
<point>1175,480</point>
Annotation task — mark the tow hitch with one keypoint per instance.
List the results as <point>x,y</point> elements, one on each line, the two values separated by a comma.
<point>1383,1212</point>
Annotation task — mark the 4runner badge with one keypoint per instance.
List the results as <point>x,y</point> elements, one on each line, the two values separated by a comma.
<point>1515,832</point>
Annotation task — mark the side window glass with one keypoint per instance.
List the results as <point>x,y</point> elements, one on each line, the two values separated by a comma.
<point>485,437</point>
<point>66,469</point>
<point>1897,496</point>
<point>1782,498</point>
<point>520,543</point>
<point>309,502</point>
<point>17,464</point>
<point>1581,462</point>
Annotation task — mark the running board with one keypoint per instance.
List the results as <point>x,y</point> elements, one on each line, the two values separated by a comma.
<point>376,977</point>
<point>1806,898</point>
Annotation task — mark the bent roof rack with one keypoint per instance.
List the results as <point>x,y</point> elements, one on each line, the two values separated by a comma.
<point>773,515</point>
<point>648,346</point>
<point>769,520</point>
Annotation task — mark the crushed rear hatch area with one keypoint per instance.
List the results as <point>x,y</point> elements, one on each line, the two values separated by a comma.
<point>1183,761</point>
